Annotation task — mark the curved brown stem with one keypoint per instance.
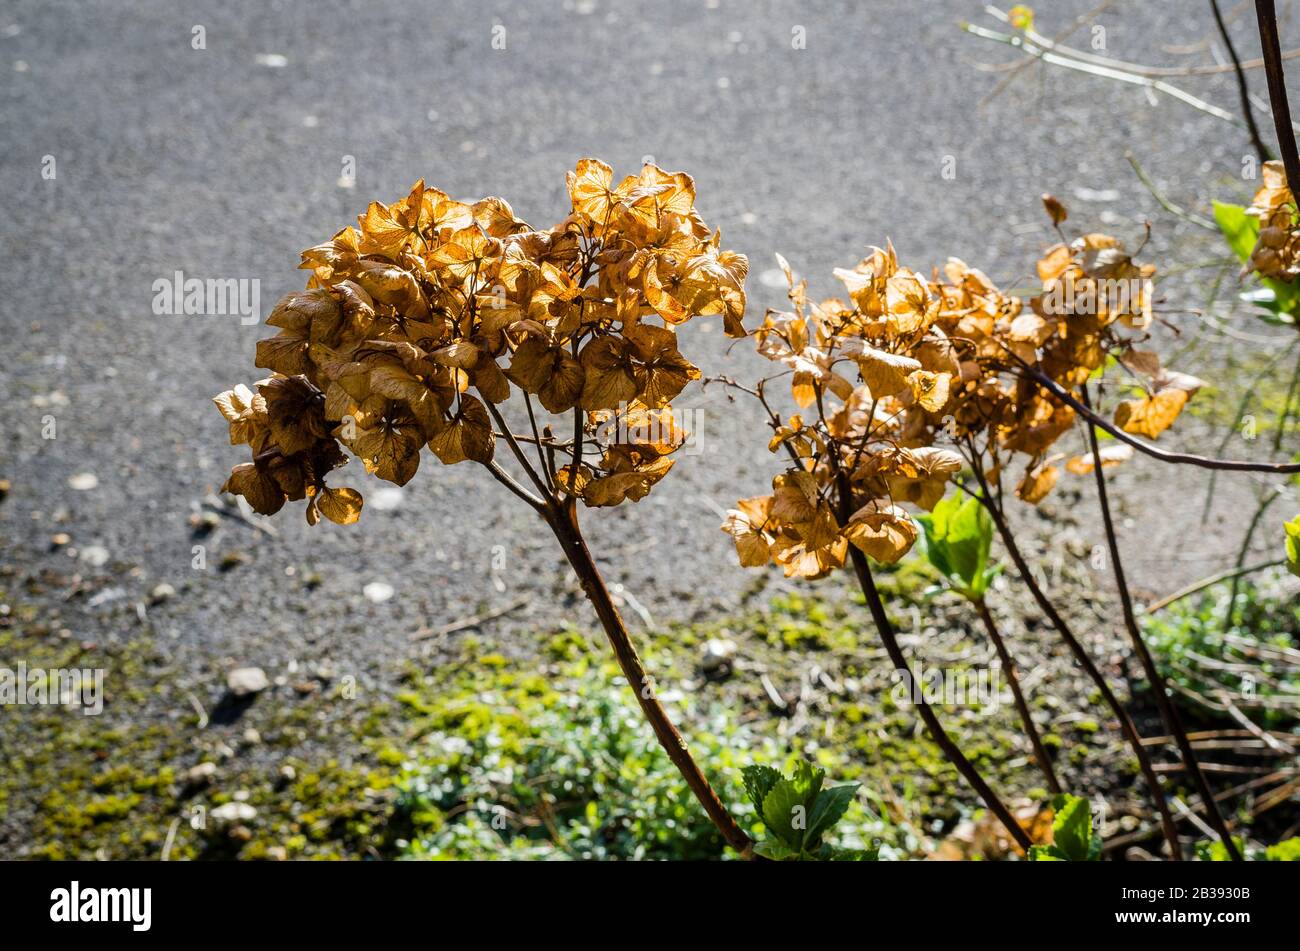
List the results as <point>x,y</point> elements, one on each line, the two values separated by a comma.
<point>1089,666</point>
<point>1168,712</point>
<point>1204,462</point>
<point>564,524</point>
<point>931,719</point>
<point>1022,707</point>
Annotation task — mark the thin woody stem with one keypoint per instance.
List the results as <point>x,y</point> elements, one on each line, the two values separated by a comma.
<point>1089,666</point>
<point>889,638</point>
<point>537,442</point>
<point>1022,707</point>
<point>1168,712</point>
<point>1203,462</point>
<point>927,714</point>
<point>515,448</point>
<point>564,524</point>
<point>1242,86</point>
<point>509,482</point>
<point>1266,18</point>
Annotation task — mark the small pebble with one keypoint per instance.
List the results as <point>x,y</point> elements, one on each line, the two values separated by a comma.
<point>377,591</point>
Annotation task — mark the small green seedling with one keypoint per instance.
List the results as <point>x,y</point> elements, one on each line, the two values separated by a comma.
<point>797,813</point>
<point>958,537</point>
<point>1073,838</point>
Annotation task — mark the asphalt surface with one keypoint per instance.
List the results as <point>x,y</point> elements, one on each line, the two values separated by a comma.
<point>225,162</point>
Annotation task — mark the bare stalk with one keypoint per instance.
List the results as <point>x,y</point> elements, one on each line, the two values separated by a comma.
<point>1230,615</point>
<point>1204,462</point>
<point>1168,712</point>
<point>1089,666</point>
<point>562,517</point>
<point>564,523</point>
<point>890,639</point>
<point>1266,18</point>
<point>950,749</point>
<point>1242,87</point>
<point>1022,707</point>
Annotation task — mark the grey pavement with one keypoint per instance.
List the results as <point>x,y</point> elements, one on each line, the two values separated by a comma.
<point>225,162</point>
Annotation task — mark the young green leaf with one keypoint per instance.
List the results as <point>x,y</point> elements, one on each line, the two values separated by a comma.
<point>958,538</point>
<point>798,813</point>
<point>1293,545</point>
<point>786,815</point>
<point>1073,838</point>
<point>1241,231</point>
<point>829,808</point>
<point>759,781</point>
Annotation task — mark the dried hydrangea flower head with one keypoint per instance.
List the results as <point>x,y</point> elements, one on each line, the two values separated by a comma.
<point>893,381</point>
<point>1277,249</point>
<point>417,322</point>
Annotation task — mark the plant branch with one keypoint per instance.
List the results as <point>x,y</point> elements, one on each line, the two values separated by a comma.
<point>1266,17</point>
<point>1230,615</point>
<point>1013,678</point>
<point>1089,666</point>
<point>508,481</point>
<point>1106,72</point>
<point>1226,575</point>
<point>1176,210</point>
<point>564,523</point>
<point>890,639</point>
<point>1184,458</point>
<point>537,442</point>
<point>1168,712</point>
<point>513,443</point>
<point>1247,112</point>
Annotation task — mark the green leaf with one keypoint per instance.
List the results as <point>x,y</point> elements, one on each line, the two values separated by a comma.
<point>828,853</point>
<point>958,538</point>
<point>829,809</point>
<point>775,850</point>
<point>1072,829</point>
<point>1287,850</point>
<point>808,779</point>
<point>786,815</point>
<point>1215,851</point>
<point>1293,545</point>
<point>1046,853</point>
<point>1241,231</point>
<point>759,781</point>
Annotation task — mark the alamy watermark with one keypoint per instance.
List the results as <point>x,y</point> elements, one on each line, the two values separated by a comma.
<point>669,426</point>
<point>1106,295</point>
<point>214,297</point>
<point>979,688</point>
<point>60,686</point>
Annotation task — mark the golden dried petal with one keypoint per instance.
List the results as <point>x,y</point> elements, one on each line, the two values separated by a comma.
<point>633,486</point>
<point>1037,483</point>
<point>930,389</point>
<point>340,506</point>
<point>1151,416</point>
<point>883,531</point>
<point>610,373</point>
<point>262,492</point>
<point>1110,456</point>
<point>745,524</point>
<point>795,497</point>
<point>390,452</point>
<point>469,436</point>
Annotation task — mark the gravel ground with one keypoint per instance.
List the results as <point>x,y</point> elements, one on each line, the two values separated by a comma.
<point>225,162</point>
